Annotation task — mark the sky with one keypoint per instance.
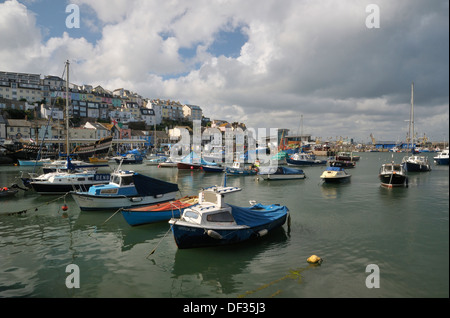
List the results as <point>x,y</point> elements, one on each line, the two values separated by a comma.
<point>327,68</point>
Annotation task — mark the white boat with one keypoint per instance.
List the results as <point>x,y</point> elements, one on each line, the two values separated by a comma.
<point>304,159</point>
<point>335,175</point>
<point>280,173</point>
<point>414,162</point>
<point>169,163</point>
<point>442,157</point>
<point>126,189</point>
<point>212,222</point>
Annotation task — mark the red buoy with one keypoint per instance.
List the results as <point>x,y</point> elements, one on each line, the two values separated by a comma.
<point>65,207</point>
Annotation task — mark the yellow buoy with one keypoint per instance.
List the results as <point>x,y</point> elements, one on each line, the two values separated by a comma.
<point>314,259</point>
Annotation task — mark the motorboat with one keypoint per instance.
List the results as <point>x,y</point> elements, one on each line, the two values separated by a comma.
<point>130,158</point>
<point>125,190</point>
<point>238,169</point>
<point>335,175</point>
<point>393,175</point>
<point>416,163</point>
<point>347,156</point>
<point>280,173</point>
<point>442,157</point>
<point>169,163</point>
<point>342,163</point>
<point>212,222</point>
<point>158,212</point>
<point>304,159</point>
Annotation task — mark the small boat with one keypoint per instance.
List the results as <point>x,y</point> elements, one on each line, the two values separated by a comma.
<point>347,156</point>
<point>158,212</point>
<point>212,222</point>
<point>304,159</point>
<point>193,162</point>
<point>237,170</point>
<point>393,175</point>
<point>7,192</point>
<point>125,190</point>
<point>169,163</point>
<point>416,163</point>
<point>97,160</point>
<point>130,158</point>
<point>209,168</point>
<point>280,173</point>
<point>335,175</point>
<point>342,163</point>
<point>155,161</point>
<point>442,157</point>
<point>39,162</point>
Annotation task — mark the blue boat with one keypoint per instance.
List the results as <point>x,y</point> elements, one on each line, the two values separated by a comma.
<point>212,222</point>
<point>442,157</point>
<point>237,170</point>
<point>158,212</point>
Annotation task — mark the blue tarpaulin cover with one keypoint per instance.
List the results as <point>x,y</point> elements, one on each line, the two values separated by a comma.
<point>147,186</point>
<point>258,214</point>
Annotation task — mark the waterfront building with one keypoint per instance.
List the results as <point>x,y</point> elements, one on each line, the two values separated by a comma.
<point>192,112</point>
<point>17,129</point>
<point>100,130</point>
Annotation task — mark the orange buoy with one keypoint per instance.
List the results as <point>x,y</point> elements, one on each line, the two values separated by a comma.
<point>65,207</point>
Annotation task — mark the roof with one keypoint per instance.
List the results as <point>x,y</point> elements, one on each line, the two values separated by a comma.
<point>18,123</point>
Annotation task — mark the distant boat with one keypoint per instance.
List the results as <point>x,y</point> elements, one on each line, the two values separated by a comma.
<point>393,175</point>
<point>193,161</point>
<point>7,192</point>
<point>158,212</point>
<point>126,189</point>
<point>209,168</point>
<point>414,163</point>
<point>304,159</point>
<point>155,161</point>
<point>39,162</point>
<point>335,175</point>
<point>98,160</point>
<point>280,173</point>
<point>442,157</point>
<point>169,163</point>
<point>130,158</point>
<point>342,163</point>
<point>240,170</point>
<point>212,222</point>
<point>346,156</point>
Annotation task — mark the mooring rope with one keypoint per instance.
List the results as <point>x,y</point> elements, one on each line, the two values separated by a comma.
<point>34,208</point>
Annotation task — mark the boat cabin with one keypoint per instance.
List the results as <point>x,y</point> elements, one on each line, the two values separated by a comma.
<point>122,183</point>
<point>211,208</point>
<point>392,168</point>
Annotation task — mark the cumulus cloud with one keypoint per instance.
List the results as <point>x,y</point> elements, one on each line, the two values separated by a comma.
<point>317,59</point>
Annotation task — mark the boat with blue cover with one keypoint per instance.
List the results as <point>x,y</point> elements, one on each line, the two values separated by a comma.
<point>126,189</point>
<point>335,175</point>
<point>280,173</point>
<point>212,222</point>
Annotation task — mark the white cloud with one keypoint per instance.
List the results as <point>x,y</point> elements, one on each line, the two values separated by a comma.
<point>301,57</point>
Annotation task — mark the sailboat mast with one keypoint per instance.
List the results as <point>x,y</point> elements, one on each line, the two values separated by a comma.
<point>412,115</point>
<point>67,109</point>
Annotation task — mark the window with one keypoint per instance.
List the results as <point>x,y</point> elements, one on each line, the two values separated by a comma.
<point>220,217</point>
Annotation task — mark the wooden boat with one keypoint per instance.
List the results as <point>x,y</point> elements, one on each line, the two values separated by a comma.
<point>304,159</point>
<point>280,173</point>
<point>212,222</point>
<point>125,190</point>
<point>335,175</point>
<point>158,212</point>
<point>393,175</point>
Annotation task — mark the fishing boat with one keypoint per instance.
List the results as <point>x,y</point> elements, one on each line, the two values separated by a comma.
<point>393,175</point>
<point>241,170</point>
<point>212,222</point>
<point>158,212</point>
<point>335,175</point>
<point>125,190</point>
<point>414,162</point>
<point>442,157</point>
<point>304,159</point>
<point>347,156</point>
<point>280,173</point>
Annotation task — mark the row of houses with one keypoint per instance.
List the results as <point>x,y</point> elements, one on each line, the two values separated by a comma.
<point>45,95</point>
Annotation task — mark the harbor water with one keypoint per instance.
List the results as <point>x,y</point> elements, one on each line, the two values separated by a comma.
<point>401,233</point>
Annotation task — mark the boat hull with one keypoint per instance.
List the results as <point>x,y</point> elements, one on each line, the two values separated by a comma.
<point>292,162</point>
<point>282,176</point>
<point>189,236</point>
<point>390,180</point>
<point>336,179</point>
<point>441,161</point>
<point>188,166</point>
<point>88,202</point>
<point>416,167</point>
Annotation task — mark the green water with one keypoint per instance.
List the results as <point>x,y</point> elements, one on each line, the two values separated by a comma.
<point>404,231</point>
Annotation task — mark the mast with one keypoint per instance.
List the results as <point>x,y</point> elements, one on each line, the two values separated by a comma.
<point>67,109</point>
<point>412,116</point>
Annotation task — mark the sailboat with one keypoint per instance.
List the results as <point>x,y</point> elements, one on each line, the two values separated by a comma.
<point>59,182</point>
<point>414,162</point>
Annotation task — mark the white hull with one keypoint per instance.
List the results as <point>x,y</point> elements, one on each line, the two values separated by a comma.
<point>91,202</point>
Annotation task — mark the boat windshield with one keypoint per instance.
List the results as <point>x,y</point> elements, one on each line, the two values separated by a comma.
<point>127,180</point>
